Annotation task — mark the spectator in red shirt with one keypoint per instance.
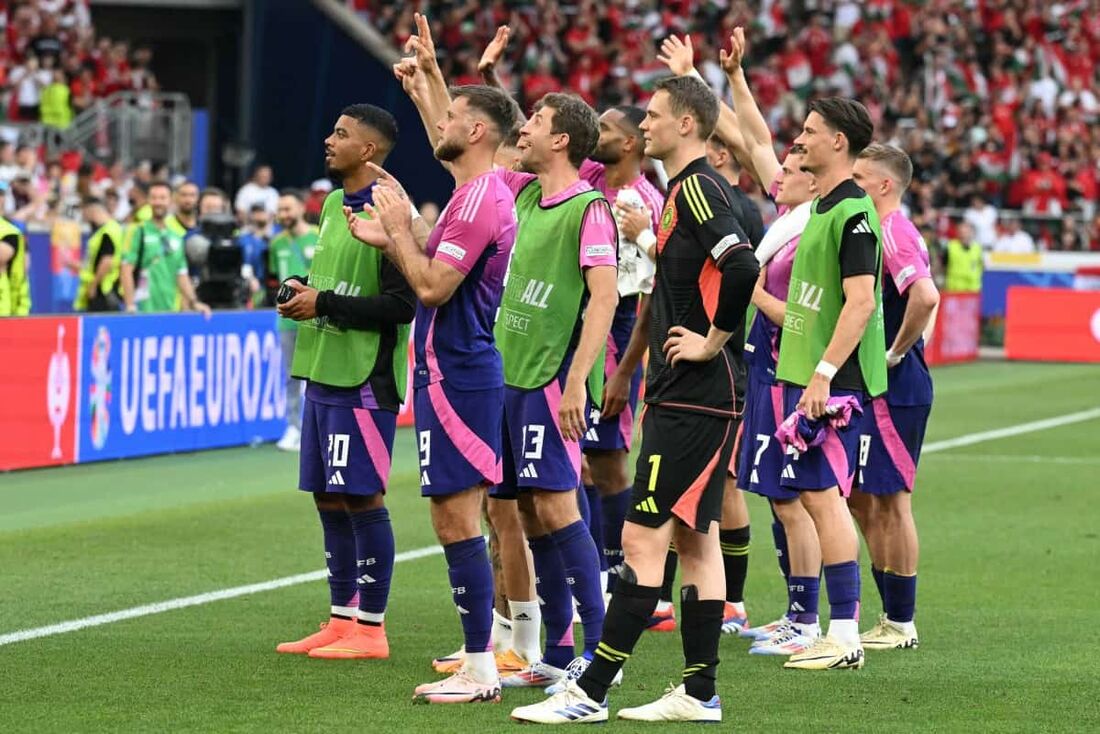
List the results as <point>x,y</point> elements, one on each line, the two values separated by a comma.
<point>540,82</point>
<point>1044,188</point>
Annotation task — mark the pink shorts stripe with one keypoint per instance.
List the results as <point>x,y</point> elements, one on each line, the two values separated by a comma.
<point>376,447</point>
<point>478,453</point>
<point>553,404</point>
<point>838,461</point>
<point>895,447</point>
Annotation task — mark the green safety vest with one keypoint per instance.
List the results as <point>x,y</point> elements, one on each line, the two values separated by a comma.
<point>113,230</point>
<point>327,353</point>
<point>964,268</point>
<point>816,297</point>
<point>544,295</point>
<point>15,289</point>
<point>287,256</point>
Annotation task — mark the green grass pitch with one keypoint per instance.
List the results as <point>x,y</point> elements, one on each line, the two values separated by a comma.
<point>1007,606</point>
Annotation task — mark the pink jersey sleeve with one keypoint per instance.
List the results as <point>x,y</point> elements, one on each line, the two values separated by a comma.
<point>904,254</point>
<point>514,179</point>
<point>473,222</point>
<point>598,237</point>
<point>654,200</point>
<point>593,173</point>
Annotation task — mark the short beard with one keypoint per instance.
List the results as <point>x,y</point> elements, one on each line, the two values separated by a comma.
<point>607,157</point>
<point>448,151</point>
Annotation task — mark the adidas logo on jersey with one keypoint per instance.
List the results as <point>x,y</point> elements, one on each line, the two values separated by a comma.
<point>862,227</point>
<point>337,479</point>
<point>788,472</point>
<point>647,505</point>
<point>754,478</point>
<point>529,472</point>
<point>591,435</point>
<point>424,481</point>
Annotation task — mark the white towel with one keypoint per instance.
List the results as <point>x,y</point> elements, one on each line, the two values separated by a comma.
<point>783,230</point>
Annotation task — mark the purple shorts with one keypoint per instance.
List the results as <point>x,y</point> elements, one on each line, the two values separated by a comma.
<point>458,436</point>
<point>761,456</point>
<point>890,440</point>
<point>833,463</point>
<point>345,449</point>
<point>534,454</point>
<point>617,433</point>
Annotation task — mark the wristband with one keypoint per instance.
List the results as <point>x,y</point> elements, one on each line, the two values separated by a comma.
<point>826,370</point>
<point>646,239</point>
<point>695,73</point>
<point>892,359</point>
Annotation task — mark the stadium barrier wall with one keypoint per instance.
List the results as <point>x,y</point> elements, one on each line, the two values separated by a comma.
<point>1053,325</point>
<point>88,388</point>
<point>958,327</point>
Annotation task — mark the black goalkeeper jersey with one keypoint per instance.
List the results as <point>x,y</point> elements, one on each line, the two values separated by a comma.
<point>699,238</point>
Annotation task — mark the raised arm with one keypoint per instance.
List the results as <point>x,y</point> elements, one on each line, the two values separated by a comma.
<point>422,79</point>
<point>487,65</point>
<point>755,135</point>
<point>679,56</point>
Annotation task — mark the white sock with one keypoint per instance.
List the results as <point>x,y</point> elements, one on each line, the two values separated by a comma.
<point>372,617</point>
<point>909,628</point>
<point>348,612</point>
<point>481,666</point>
<point>663,606</point>
<point>502,631</point>
<point>526,627</point>
<point>845,631</point>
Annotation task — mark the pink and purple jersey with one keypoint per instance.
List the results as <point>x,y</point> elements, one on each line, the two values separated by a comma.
<point>596,175</point>
<point>597,229</point>
<point>475,233</point>
<point>905,261</point>
<point>763,339</point>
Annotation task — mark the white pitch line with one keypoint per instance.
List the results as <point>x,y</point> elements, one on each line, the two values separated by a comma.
<point>189,601</point>
<point>212,596</point>
<point>973,438</point>
<point>1032,459</point>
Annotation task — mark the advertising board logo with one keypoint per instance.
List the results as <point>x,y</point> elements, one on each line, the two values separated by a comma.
<point>58,386</point>
<point>99,392</point>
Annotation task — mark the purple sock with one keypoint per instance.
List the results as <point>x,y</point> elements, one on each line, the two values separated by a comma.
<point>900,599</point>
<point>339,557</point>
<point>595,521</point>
<point>555,601</point>
<point>374,549</point>
<point>802,592</point>
<point>583,506</point>
<point>842,585</point>
<point>582,570</point>
<point>472,590</point>
<point>877,574</point>
<point>614,515</point>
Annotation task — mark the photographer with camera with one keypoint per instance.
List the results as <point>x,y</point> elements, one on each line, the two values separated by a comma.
<point>291,252</point>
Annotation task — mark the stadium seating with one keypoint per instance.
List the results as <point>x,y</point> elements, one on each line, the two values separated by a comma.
<point>998,99</point>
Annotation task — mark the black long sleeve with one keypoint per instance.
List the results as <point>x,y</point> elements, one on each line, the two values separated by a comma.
<point>739,272</point>
<point>395,304</point>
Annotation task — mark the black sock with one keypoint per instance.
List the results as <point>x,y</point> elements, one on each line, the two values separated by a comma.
<point>735,557</point>
<point>700,631</point>
<point>670,574</point>
<point>626,619</point>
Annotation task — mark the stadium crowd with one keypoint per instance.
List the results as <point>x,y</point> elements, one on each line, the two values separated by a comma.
<point>994,100</point>
<point>53,65</point>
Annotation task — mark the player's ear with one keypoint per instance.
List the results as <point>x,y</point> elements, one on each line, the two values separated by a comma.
<point>478,131</point>
<point>561,143</point>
